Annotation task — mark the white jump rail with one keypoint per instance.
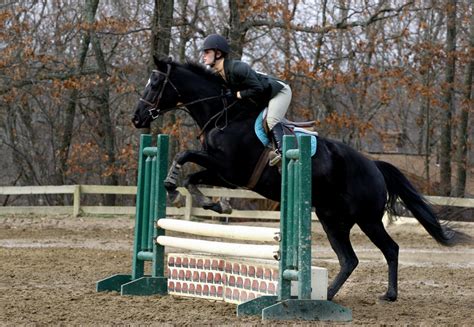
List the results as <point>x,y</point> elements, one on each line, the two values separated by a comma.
<point>221,248</point>
<point>248,233</point>
<point>233,232</point>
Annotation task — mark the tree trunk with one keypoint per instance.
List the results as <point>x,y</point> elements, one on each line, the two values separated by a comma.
<point>429,35</point>
<point>446,128</point>
<point>427,149</point>
<point>314,85</point>
<point>102,95</point>
<point>184,33</point>
<point>160,48</point>
<point>66,138</point>
<point>461,153</point>
<point>161,29</point>
<point>237,30</point>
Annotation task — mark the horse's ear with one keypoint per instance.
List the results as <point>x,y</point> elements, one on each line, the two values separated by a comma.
<point>160,64</point>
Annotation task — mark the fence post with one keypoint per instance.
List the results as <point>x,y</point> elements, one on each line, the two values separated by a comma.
<point>188,204</point>
<point>76,201</point>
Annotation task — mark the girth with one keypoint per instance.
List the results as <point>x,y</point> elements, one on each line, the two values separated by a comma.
<point>259,167</point>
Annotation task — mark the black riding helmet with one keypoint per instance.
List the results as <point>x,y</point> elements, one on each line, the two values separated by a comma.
<point>216,42</point>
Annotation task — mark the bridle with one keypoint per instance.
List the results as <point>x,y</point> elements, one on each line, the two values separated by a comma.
<point>155,112</point>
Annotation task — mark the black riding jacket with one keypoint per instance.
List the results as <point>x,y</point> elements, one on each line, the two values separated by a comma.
<point>252,85</point>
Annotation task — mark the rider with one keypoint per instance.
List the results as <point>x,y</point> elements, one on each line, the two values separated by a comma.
<point>243,82</point>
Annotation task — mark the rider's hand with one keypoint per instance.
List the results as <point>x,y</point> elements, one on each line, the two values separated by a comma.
<point>230,96</point>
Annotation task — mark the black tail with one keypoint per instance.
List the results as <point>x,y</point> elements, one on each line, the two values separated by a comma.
<point>398,186</point>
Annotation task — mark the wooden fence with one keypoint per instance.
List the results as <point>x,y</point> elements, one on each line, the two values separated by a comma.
<point>187,211</point>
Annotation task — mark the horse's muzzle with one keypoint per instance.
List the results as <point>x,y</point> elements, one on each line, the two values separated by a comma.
<point>140,123</point>
<point>136,121</point>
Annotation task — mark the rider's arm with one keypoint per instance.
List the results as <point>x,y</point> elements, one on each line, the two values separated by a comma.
<point>246,81</point>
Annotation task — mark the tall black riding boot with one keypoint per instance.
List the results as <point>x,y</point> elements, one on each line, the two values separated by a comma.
<point>277,136</point>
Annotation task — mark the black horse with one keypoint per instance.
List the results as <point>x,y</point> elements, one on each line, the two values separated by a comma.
<point>347,188</point>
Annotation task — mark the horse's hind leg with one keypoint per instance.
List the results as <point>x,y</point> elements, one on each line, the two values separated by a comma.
<point>338,236</point>
<point>208,178</point>
<point>379,236</point>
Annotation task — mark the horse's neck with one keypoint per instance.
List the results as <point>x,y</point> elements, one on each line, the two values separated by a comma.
<point>213,114</point>
<point>206,112</point>
<point>202,113</point>
<point>202,100</point>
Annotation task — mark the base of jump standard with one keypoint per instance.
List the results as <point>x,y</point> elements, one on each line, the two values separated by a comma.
<point>233,280</point>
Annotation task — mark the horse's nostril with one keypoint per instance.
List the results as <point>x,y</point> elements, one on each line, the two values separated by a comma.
<point>135,120</point>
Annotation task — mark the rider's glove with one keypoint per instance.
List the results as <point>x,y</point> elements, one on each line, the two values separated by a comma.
<point>230,96</point>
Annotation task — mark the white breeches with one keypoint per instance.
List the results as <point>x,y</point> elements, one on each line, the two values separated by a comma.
<point>278,106</point>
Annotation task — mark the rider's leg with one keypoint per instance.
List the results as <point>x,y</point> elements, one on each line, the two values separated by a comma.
<point>277,108</point>
<point>277,136</point>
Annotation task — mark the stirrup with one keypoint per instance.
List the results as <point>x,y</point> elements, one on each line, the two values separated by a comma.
<point>274,158</point>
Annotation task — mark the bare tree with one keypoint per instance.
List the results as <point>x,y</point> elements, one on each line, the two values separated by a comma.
<point>463,135</point>
<point>446,138</point>
<point>162,23</point>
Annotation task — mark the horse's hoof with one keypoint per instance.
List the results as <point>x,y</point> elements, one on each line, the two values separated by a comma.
<point>388,297</point>
<point>225,207</point>
<point>330,295</point>
<point>213,206</point>
<point>217,207</point>
<point>169,186</point>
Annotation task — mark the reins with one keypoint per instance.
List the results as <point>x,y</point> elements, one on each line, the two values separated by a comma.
<point>156,110</point>
<point>217,116</point>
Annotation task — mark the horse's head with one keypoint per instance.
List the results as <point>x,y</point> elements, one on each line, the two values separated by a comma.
<point>159,96</point>
<point>173,85</point>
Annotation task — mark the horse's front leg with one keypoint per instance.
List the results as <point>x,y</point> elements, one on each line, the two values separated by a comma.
<point>206,177</point>
<point>200,158</point>
<point>171,183</point>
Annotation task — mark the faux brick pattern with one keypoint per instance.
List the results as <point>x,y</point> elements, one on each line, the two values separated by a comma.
<point>231,280</point>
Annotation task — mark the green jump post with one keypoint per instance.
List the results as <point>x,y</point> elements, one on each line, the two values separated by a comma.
<point>295,246</point>
<point>150,206</point>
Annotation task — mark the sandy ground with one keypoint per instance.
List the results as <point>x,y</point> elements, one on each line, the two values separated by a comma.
<point>49,266</point>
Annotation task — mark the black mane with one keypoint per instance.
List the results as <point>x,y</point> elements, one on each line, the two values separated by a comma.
<point>250,108</point>
<point>202,71</point>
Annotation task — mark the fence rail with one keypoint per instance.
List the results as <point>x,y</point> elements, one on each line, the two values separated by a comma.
<point>187,211</point>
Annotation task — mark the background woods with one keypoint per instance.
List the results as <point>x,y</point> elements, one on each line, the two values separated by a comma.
<point>391,78</point>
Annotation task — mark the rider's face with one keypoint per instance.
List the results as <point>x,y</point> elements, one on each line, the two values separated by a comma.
<point>208,56</point>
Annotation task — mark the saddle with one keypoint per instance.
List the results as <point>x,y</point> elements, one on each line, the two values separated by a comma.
<point>289,127</point>
<point>293,127</point>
